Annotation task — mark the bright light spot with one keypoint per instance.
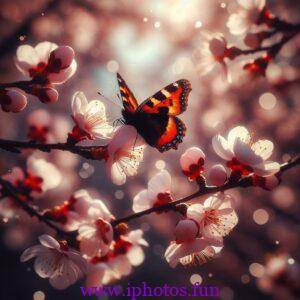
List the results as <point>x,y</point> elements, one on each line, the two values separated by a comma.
<point>223,5</point>
<point>196,279</point>
<point>22,38</point>
<point>291,261</point>
<point>245,278</point>
<point>86,170</point>
<point>198,24</point>
<point>160,165</point>
<point>210,275</point>
<point>119,194</point>
<point>145,19</point>
<point>112,66</point>
<point>39,295</point>
<point>157,24</point>
<point>257,270</point>
<point>277,242</point>
<point>260,216</point>
<point>267,101</point>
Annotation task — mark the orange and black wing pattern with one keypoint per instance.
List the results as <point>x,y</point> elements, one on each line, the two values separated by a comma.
<point>129,101</point>
<point>172,99</point>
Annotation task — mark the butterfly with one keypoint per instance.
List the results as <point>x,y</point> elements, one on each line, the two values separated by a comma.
<point>155,118</point>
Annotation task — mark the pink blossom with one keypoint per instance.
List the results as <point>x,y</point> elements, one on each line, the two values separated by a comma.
<point>243,155</point>
<point>157,193</point>
<point>46,62</point>
<point>217,175</point>
<point>90,118</point>
<point>12,100</point>
<point>196,251</point>
<point>192,161</point>
<point>50,175</point>
<point>215,217</point>
<point>126,251</point>
<point>125,152</point>
<point>247,16</point>
<point>56,261</point>
<point>211,54</point>
<point>186,230</point>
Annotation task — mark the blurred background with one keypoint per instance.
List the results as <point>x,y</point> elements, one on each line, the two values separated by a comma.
<point>153,43</point>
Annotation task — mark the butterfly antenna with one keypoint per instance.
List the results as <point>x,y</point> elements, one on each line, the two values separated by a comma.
<point>110,100</point>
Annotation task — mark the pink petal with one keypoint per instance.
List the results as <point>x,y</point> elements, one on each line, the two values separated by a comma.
<point>49,242</point>
<point>221,147</point>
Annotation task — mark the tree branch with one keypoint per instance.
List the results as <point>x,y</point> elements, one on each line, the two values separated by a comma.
<point>8,190</point>
<point>244,182</point>
<point>88,152</point>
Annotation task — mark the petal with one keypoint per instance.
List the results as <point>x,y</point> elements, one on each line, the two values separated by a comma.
<point>222,148</point>
<point>160,183</point>
<point>135,237</point>
<point>245,154</point>
<point>49,242</point>
<point>46,263</point>
<point>267,168</point>
<point>136,255</point>
<point>66,275</point>
<point>141,201</point>
<point>195,212</point>
<point>116,173</point>
<point>32,252</point>
<point>64,74</point>
<point>239,132</point>
<point>26,57</point>
<point>43,50</point>
<point>79,103</point>
<point>191,156</point>
<point>263,148</point>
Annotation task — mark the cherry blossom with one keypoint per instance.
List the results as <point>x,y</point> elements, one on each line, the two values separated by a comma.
<point>211,54</point>
<point>243,155</point>
<point>90,119</point>
<point>157,193</point>
<point>39,167</point>
<point>196,251</point>
<point>126,251</point>
<point>12,100</point>
<point>81,208</point>
<point>56,261</point>
<point>249,14</point>
<point>46,63</point>
<point>215,217</point>
<point>192,162</point>
<point>217,175</point>
<point>124,154</point>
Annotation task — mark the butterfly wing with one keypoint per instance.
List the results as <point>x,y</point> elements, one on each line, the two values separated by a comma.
<point>129,102</point>
<point>172,99</point>
<point>172,136</point>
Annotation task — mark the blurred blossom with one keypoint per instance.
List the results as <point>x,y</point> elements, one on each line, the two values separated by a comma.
<point>248,15</point>
<point>217,175</point>
<point>261,216</point>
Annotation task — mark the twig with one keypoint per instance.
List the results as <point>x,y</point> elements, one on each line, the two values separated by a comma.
<point>244,182</point>
<point>9,190</point>
<point>88,152</point>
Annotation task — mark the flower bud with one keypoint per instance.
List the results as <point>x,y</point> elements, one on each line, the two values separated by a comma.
<point>217,175</point>
<point>12,101</point>
<point>192,161</point>
<point>217,47</point>
<point>186,230</point>
<point>47,95</point>
<point>61,57</point>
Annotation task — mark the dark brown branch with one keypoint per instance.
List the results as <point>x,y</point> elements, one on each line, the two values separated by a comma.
<point>244,182</point>
<point>8,190</point>
<point>88,152</point>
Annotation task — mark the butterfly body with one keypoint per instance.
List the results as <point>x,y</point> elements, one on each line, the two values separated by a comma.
<point>155,118</point>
